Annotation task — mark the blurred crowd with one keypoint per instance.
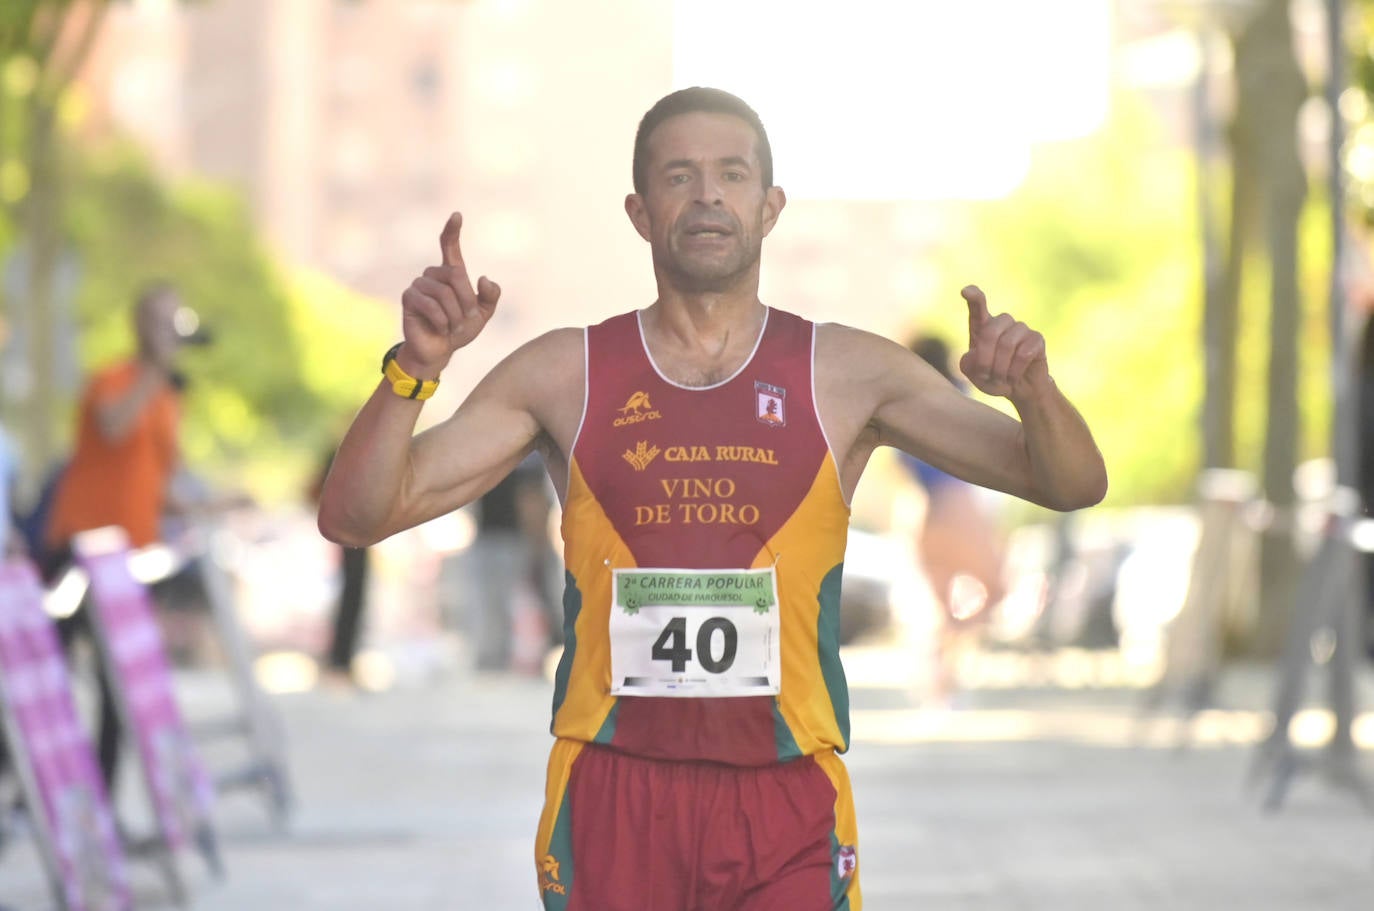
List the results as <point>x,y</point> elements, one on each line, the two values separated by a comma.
<point>492,580</point>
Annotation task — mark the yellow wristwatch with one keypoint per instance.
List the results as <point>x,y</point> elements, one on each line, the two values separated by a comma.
<point>402,383</point>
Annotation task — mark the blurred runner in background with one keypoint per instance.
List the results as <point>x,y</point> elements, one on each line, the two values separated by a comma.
<point>960,549</point>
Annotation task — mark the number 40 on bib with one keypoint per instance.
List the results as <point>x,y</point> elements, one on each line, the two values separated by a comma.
<point>695,633</point>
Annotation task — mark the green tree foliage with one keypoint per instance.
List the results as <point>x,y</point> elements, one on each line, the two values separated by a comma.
<point>290,353</point>
<point>293,353</point>
<point>1099,249</point>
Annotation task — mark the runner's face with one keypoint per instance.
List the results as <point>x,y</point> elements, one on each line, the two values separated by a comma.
<point>704,209</point>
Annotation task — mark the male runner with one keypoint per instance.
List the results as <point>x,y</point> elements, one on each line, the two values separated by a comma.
<point>705,450</point>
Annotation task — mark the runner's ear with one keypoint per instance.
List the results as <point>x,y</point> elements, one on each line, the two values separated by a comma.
<point>774,201</point>
<point>639,217</point>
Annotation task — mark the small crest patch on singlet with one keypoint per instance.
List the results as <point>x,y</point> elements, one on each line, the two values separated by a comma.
<point>846,861</point>
<point>770,404</point>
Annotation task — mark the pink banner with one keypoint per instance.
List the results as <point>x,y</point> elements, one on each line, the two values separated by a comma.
<point>36,697</point>
<point>182,792</point>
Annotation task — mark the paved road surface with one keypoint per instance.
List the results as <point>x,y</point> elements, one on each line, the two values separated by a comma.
<point>426,796</point>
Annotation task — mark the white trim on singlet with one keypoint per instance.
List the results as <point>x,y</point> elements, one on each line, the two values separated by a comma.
<point>586,402</point>
<point>644,343</point>
<point>820,422</point>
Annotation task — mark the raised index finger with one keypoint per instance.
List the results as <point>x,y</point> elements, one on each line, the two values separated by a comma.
<point>977,308</point>
<point>448,240</point>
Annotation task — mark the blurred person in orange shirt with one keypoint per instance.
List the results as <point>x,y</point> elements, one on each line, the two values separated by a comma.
<point>120,470</point>
<point>126,448</point>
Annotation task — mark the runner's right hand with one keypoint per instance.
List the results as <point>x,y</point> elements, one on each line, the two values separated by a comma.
<point>440,311</point>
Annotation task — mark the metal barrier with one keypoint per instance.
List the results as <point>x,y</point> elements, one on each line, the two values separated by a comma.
<point>1330,595</point>
<point>135,665</point>
<point>254,719</point>
<point>60,783</point>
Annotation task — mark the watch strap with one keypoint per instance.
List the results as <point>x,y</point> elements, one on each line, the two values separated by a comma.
<point>402,383</point>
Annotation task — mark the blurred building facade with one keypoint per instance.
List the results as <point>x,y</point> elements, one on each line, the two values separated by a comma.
<point>353,127</point>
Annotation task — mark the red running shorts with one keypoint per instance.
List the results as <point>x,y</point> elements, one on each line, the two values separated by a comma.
<point>624,833</point>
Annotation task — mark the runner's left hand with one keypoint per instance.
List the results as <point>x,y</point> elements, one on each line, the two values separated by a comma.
<point>1005,356</point>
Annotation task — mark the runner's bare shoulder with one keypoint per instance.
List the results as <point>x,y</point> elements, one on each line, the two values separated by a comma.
<point>548,371</point>
<point>854,355</point>
<point>553,359</point>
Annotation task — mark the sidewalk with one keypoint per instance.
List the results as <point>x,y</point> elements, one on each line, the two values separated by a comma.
<point>1023,799</point>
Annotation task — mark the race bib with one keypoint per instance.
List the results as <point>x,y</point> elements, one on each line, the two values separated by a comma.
<point>695,632</point>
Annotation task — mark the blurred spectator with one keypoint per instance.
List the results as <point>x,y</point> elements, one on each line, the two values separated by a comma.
<point>1365,472</point>
<point>1357,277</point>
<point>511,556</point>
<point>960,550</point>
<point>347,621</point>
<point>126,448</point>
<point>11,539</point>
<point>11,542</point>
<point>125,456</point>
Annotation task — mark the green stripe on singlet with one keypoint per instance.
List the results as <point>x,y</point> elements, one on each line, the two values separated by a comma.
<point>606,732</point>
<point>782,736</point>
<point>572,606</point>
<point>828,649</point>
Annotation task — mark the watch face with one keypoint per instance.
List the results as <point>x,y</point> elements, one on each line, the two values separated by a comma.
<point>390,355</point>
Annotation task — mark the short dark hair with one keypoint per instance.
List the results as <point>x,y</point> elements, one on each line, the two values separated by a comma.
<point>698,99</point>
<point>152,290</point>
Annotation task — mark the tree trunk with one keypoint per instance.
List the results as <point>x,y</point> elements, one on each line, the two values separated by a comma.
<point>1271,90</point>
<point>41,228</point>
<point>1222,313</point>
<point>58,36</point>
<point>1220,599</point>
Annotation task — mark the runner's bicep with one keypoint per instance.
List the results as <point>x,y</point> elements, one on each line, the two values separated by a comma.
<point>455,462</point>
<point>969,439</point>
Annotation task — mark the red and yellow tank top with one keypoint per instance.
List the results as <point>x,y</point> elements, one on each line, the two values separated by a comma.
<point>734,476</point>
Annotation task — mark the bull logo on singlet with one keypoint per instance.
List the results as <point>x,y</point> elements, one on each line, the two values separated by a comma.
<point>637,408</point>
<point>548,875</point>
